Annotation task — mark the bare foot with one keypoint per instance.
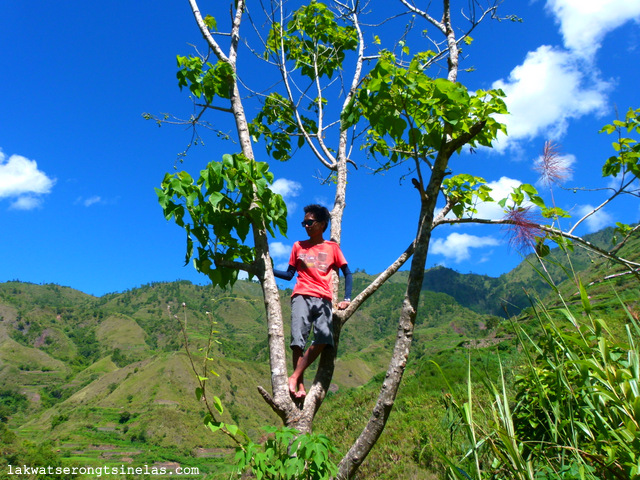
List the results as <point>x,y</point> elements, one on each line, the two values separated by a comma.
<point>301,393</point>
<point>292,386</point>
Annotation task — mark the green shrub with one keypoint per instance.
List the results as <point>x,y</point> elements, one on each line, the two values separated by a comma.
<point>576,413</point>
<point>578,403</point>
<point>288,455</point>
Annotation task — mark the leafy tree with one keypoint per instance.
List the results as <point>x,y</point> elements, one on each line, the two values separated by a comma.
<point>336,90</point>
<point>11,401</point>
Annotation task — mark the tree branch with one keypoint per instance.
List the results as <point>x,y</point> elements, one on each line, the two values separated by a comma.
<point>245,267</point>
<point>214,107</point>
<point>625,239</point>
<point>356,302</point>
<point>615,194</point>
<point>206,33</point>
<point>331,163</point>
<point>553,231</point>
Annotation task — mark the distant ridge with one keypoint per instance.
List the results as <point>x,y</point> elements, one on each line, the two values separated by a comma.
<point>108,378</point>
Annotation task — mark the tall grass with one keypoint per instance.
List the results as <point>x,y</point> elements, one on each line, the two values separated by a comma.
<point>572,413</point>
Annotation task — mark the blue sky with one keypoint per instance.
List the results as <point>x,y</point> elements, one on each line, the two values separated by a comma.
<point>79,164</point>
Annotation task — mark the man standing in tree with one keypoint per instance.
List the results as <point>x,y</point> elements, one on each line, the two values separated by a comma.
<point>311,302</point>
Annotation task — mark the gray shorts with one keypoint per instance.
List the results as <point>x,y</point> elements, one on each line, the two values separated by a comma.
<point>307,311</point>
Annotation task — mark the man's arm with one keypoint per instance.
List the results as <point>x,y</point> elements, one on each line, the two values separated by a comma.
<point>348,284</point>
<point>348,281</point>
<point>288,275</point>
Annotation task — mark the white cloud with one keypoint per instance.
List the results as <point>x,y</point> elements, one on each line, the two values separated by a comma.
<point>457,245</point>
<point>26,202</point>
<point>545,92</point>
<point>584,23</point>
<point>279,250</point>
<point>595,222</point>
<point>286,188</point>
<point>554,85</point>
<point>289,189</point>
<point>95,200</point>
<point>280,254</point>
<point>21,178</point>
<point>92,200</point>
<point>321,200</point>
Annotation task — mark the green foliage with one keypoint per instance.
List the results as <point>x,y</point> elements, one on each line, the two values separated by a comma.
<point>577,406</point>
<point>464,191</point>
<point>52,394</point>
<point>627,159</point>
<point>124,417</point>
<point>120,359</point>
<point>410,112</point>
<point>316,44</point>
<point>582,393</point>
<point>13,400</point>
<point>625,165</point>
<point>288,455</point>
<point>211,22</point>
<point>19,454</point>
<point>58,420</point>
<point>87,344</point>
<point>526,192</point>
<point>277,124</point>
<point>313,40</point>
<point>228,199</point>
<point>205,79</point>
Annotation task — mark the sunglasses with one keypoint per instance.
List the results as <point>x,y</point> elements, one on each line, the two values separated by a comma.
<point>308,223</point>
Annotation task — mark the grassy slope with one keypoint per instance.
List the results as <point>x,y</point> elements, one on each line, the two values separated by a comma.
<point>156,385</point>
<point>121,354</point>
<point>418,420</point>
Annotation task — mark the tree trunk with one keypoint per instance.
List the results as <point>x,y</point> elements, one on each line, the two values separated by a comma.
<point>369,436</point>
<point>406,323</point>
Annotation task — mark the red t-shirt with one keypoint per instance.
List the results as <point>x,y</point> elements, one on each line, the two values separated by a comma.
<point>314,264</point>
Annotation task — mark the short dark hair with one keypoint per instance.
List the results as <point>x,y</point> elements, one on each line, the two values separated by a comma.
<point>321,213</point>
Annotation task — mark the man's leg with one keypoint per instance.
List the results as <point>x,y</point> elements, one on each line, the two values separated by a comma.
<point>301,322</point>
<point>297,354</point>
<point>300,364</point>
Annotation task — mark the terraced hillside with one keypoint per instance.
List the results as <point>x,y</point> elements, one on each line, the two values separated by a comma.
<point>108,380</point>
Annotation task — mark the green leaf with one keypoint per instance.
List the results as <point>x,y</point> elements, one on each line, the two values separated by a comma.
<point>210,22</point>
<point>217,404</point>
<point>215,426</point>
<point>542,249</point>
<point>215,198</point>
<point>586,304</point>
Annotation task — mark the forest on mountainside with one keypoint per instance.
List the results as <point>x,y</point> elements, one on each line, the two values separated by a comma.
<point>90,380</point>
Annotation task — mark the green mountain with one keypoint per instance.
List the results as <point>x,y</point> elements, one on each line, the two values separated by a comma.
<point>509,294</point>
<point>108,380</point>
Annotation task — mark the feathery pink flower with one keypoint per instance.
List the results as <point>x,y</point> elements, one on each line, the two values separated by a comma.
<point>552,167</point>
<point>522,229</point>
